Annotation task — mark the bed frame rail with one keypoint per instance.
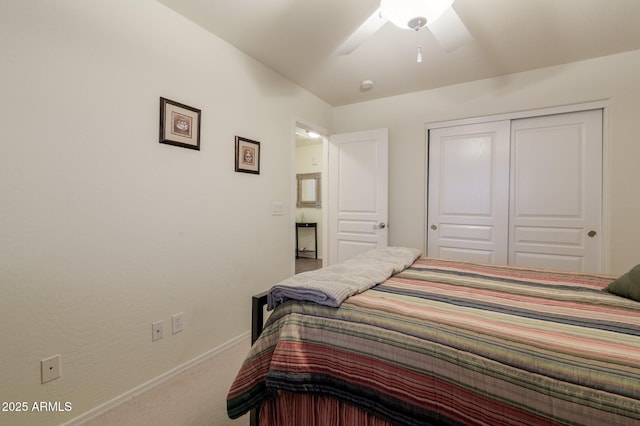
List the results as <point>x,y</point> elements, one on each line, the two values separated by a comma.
<point>258,302</point>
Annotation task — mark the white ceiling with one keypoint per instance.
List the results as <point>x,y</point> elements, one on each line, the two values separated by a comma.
<point>297,38</point>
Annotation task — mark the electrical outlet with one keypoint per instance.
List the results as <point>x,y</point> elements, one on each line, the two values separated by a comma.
<point>50,368</point>
<point>156,330</point>
<point>176,323</point>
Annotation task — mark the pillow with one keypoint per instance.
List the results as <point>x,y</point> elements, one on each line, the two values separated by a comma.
<point>628,285</point>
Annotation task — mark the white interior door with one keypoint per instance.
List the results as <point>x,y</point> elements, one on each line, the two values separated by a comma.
<point>556,192</point>
<point>358,193</point>
<point>468,192</point>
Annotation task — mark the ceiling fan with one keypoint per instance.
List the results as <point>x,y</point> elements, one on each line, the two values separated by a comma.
<point>437,15</point>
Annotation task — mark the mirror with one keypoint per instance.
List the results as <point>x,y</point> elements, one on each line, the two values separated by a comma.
<point>308,190</point>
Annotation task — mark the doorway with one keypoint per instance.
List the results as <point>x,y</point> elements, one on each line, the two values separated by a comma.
<point>309,202</point>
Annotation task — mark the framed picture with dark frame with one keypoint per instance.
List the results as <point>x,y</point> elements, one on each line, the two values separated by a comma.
<point>179,124</point>
<point>247,155</point>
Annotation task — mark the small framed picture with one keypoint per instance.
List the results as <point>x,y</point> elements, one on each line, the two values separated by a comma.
<point>179,124</point>
<point>247,155</point>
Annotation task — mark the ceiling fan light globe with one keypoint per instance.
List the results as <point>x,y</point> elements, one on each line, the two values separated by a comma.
<point>402,12</point>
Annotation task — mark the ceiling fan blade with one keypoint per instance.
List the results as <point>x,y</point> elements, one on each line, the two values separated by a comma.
<point>364,31</point>
<point>450,31</point>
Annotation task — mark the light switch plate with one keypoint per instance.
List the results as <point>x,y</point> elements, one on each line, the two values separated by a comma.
<point>277,208</point>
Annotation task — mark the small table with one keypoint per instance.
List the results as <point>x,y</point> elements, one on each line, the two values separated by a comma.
<point>315,236</point>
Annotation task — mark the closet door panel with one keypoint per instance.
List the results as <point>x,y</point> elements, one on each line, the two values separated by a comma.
<point>468,192</point>
<point>556,192</point>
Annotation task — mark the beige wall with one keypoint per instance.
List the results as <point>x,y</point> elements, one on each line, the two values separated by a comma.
<point>612,78</point>
<point>103,230</point>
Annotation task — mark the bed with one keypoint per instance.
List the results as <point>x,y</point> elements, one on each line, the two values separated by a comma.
<point>447,342</point>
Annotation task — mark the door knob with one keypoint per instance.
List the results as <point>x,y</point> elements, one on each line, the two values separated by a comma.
<point>434,227</point>
<point>381,225</point>
<point>592,234</point>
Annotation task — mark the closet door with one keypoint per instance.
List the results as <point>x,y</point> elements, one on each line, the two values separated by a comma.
<point>468,192</point>
<point>556,192</point>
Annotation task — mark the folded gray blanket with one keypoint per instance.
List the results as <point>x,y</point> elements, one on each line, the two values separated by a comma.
<point>330,286</point>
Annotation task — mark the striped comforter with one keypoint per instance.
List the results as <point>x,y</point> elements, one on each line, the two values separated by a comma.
<point>458,343</point>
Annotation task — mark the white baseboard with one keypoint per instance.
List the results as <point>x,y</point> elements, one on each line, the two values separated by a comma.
<point>139,390</point>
